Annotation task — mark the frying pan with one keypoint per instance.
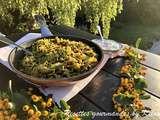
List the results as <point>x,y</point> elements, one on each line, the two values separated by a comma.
<point>16,54</point>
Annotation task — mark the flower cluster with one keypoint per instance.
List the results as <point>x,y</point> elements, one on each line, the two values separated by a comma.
<point>46,109</point>
<point>5,110</point>
<point>33,107</point>
<point>128,95</point>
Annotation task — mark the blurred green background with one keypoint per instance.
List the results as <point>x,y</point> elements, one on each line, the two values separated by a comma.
<point>140,19</point>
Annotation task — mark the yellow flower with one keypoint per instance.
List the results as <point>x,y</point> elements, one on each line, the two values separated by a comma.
<point>115,106</point>
<point>119,109</point>
<point>92,59</point>
<point>77,66</point>
<point>76,117</point>
<point>122,115</point>
<point>50,100</point>
<point>126,93</point>
<point>124,81</point>
<point>6,118</point>
<point>45,113</point>
<point>6,100</point>
<point>5,112</point>
<point>38,113</point>
<point>49,104</point>
<point>140,106</point>
<point>13,116</point>
<point>43,104</point>
<point>10,105</point>
<point>124,69</point>
<point>35,98</point>
<point>25,107</point>
<point>142,72</point>
<point>30,111</point>
<point>40,98</point>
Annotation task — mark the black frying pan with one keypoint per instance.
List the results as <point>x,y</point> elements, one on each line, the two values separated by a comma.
<point>17,53</point>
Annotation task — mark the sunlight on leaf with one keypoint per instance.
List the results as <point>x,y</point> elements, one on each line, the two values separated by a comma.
<point>145,97</point>
<point>138,42</point>
<point>140,84</point>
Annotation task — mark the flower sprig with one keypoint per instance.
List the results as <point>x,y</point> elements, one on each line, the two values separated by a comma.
<point>27,105</point>
<point>6,110</point>
<point>47,109</point>
<point>128,96</point>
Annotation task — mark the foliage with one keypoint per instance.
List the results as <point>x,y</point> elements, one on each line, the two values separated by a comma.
<point>29,104</point>
<point>138,42</point>
<point>124,99</point>
<point>101,12</point>
<point>19,14</point>
<point>128,96</point>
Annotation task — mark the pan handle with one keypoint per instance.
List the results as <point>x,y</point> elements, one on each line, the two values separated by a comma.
<point>45,32</point>
<point>4,52</point>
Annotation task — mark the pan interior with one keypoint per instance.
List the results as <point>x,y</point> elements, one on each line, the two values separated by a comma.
<point>18,54</point>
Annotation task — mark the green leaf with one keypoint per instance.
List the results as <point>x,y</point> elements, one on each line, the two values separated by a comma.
<point>140,84</point>
<point>61,116</point>
<point>4,94</point>
<point>19,100</point>
<point>71,118</point>
<point>64,105</point>
<point>139,91</point>
<point>124,99</point>
<point>138,42</point>
<point>145,97</point>
<point>127,75</point>
<point>56,109</point>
